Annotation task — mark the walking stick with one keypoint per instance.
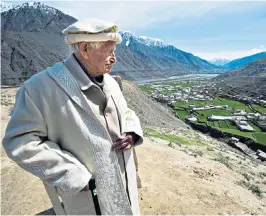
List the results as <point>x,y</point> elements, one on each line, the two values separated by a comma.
<point>92,187</point>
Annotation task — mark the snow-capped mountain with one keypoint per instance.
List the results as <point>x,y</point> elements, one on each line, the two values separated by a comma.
<point>219,62</point>
<point>161,55</point>
<point>32,41</point>
<point>149,41</point>
<point>33,16</point>
<point>6,6</point>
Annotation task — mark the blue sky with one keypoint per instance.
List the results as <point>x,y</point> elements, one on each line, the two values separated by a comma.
<point>209,29</point>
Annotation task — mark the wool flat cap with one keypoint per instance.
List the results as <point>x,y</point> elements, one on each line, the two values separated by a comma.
<point>92,30</point>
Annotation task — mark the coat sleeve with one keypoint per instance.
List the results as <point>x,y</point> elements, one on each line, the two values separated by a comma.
<point>26,143</point>
<point>132,122</point>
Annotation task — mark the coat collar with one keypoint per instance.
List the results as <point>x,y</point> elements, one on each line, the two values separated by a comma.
<point>82,79</point>
<point>66,80</point>
<point>78,73</point>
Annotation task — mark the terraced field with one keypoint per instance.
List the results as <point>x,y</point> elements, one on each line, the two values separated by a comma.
<point>181,109</point>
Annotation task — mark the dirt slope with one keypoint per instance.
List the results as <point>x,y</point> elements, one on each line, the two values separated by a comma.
<point>176,179</point>
<point>176,182</point>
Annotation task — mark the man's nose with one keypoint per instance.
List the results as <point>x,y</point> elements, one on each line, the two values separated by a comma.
<point>113,59</point>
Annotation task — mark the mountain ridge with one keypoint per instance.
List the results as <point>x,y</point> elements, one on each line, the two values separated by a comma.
<point>32,41</point>
<point>240,62</point>
<point>254,68</point>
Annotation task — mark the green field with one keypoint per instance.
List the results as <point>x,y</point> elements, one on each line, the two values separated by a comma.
<point>238,132</point>
<point>146,88</point>
<point>175,85</point>
<point>202,118</point>
<point>216,124</point>
<point>182,84</point>
<point>202,115</point>
<point>217,101</point>
<point>166,92</point>
<point>232,125</point>
<point>226,126</point>
<point>210,123</point>
<point>231,104</point>
<point>255,127</point>
<point>170,137</point>
<point>182,114</point>
<point>259,108</point>
<point>222,124</point>
<point>260,137</point>
<point>181,104</point>
<point>197,103</point>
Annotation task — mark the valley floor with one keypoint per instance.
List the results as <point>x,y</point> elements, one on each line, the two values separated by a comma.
<point>207,178</point>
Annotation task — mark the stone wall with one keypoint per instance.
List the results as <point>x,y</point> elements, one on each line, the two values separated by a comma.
<point>219,134</point>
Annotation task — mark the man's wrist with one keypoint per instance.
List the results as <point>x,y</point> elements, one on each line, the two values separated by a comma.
<point>135,137</point>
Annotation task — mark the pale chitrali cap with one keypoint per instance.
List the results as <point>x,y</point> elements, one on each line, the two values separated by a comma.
<point>91,30</point>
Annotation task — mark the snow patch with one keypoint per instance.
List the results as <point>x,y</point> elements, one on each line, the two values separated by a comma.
<point>31,3</point>
<point>5,6</point>
<point>148,41</point>
<point>35,5</point>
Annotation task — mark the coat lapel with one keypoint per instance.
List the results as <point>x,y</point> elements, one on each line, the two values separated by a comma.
<point>111,98</point>
<point>65,80</point>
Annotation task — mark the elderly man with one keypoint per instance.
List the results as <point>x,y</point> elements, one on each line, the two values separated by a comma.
<point>72,128</point>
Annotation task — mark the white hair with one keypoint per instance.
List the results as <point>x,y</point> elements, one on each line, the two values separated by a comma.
<point>93,45</point>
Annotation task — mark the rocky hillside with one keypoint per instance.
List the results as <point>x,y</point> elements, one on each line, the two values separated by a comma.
<point>32,40</point>
<point>238,63</point>
<point>255,68</point>
<point>34,17</point>
<point>153,53</point>
<point>248,81</point>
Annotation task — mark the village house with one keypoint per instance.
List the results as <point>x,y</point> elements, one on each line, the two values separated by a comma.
<point>240,113</point>
<point>220,118</point>
<point>244,126</point>
<point>208,107</point>
<point>192,119</point>
<point>223,118</point>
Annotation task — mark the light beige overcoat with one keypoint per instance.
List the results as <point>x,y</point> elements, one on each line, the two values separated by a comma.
<point>54,134</point>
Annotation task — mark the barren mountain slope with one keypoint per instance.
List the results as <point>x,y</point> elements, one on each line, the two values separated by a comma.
<point>202,176</point>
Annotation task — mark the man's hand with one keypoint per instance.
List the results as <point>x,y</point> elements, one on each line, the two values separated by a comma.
<point>124,144</point>
<point>86,188</point>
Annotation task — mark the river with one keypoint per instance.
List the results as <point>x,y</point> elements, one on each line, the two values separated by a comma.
<point>181,77</point>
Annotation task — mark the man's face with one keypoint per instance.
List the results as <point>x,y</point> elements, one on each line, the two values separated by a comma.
<point>100,60</point>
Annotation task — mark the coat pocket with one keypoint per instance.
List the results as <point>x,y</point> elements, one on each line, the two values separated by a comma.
<point>80,204</point>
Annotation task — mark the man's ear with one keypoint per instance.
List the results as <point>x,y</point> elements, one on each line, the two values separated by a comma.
<point>83,49</point>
